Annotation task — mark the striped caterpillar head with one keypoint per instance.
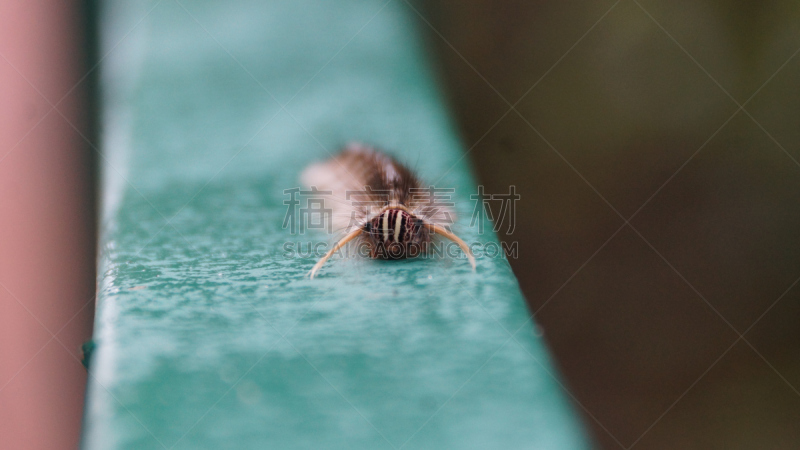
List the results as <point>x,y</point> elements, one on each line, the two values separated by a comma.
<point>396,234</point>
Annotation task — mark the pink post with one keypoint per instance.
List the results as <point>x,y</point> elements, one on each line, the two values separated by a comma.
<point>47,241</point>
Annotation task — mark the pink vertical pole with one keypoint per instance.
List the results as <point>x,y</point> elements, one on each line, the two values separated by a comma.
<point>47,242</point>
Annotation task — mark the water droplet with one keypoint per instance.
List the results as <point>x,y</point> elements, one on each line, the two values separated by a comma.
<point>228,373</point>
<point>248,392</point>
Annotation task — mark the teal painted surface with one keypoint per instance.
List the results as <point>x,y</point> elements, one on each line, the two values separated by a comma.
<point>208,335</point>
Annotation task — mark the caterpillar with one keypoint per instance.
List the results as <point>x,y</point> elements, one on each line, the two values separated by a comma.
<point>380,203</point>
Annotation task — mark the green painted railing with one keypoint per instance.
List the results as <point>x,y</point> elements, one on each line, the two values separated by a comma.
<point>207,333</point>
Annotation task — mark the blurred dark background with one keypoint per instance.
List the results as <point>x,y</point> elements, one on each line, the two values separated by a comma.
<point>682,329</point>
